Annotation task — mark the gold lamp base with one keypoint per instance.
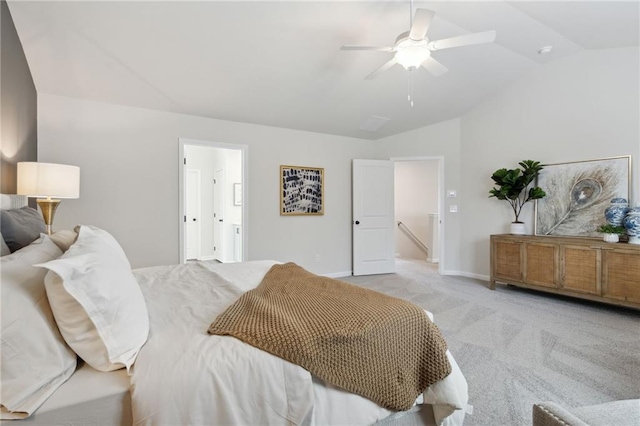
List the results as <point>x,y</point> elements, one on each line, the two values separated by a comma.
<point>48,207</point>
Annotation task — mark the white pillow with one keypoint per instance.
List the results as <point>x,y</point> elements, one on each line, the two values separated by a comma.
<point>97,302</point>
<point>35,358</point>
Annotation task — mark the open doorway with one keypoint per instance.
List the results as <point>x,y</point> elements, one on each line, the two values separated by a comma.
<point>418,199</point>
<point>212,201</point>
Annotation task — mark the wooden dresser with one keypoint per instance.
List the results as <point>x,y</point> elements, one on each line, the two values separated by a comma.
<point>579,267</point>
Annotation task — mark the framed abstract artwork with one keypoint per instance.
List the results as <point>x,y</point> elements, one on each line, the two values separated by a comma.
<point>301,190</point>
<point>578,193</point>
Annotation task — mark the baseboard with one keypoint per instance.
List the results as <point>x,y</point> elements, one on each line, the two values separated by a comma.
<point>214,258</point>
<point>436,260</point>
<point>467,274</point>
<point>476,276</point>
<point>448,272</point>
<point>338,274</point>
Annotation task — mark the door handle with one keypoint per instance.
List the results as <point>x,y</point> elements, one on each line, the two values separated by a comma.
<point>194,219</point>
<point>357,222</point>
<point>220,220</point>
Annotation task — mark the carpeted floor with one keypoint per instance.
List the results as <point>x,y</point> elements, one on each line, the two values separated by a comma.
<point>516,346</point>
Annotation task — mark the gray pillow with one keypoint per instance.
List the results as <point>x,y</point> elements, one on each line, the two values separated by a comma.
<point>20,227</point>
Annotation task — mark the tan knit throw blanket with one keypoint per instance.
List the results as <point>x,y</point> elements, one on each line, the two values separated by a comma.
<point>368,343</point>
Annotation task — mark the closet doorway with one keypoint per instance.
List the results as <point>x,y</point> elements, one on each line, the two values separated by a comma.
<point>212,200</point>
<point>418,199</point>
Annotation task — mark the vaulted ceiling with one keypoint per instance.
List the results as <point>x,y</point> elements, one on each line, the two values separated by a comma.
<point>279,63</point>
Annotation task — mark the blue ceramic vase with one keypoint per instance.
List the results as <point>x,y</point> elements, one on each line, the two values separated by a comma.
<point>632,225</point>
<point>617,211</point>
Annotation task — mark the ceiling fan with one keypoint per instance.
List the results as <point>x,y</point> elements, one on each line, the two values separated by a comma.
<point>413,48</point>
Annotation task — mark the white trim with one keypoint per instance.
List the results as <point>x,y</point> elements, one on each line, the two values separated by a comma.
<point>338,274</point>
<point>467,275</point>
<point>475,276</point>
<point>206,258</point>
<point>441,202</point>
<point>182,142</point>
<point>436,260</point>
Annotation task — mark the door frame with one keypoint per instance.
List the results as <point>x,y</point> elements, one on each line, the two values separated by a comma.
<point>441,202</point>
<point>182,142</point>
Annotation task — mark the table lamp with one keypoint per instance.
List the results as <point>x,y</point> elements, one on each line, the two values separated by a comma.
<point>48,182</point>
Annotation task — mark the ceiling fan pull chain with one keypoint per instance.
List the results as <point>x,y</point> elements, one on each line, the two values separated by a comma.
<point>410,88</point>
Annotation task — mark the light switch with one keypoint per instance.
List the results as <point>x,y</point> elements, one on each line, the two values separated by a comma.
<point>453,208</point>
<point>451,193</point>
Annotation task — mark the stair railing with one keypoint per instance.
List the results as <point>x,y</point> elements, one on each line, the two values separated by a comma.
<point>413,238</point>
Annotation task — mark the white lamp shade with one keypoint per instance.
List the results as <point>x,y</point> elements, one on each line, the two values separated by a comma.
<point>48,180</point>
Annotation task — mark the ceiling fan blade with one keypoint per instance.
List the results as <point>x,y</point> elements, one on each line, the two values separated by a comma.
<point>383,68</point>
<point>463,40</point>
<point>421,21</point>
<point>375,48</point>
<point>434,67</point>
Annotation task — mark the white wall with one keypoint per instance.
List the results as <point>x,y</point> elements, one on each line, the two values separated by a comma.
<point>129,180</point>
<point>578,108</point>
<point>581,107</point>
<point>442,139</point>
<point>416,195</point>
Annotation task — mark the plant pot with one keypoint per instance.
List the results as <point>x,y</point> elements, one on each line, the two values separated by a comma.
<point>611,238</point>
<point>517,228</point>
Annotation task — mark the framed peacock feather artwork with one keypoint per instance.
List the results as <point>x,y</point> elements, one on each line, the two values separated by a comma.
<point>578,192</point>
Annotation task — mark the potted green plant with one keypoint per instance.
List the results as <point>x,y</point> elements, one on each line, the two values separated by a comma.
<point>515,187</point>
<point>612,233</point>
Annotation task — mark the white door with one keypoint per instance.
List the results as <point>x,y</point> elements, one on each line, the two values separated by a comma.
<point>218,216</point>
<point>373,217</point>
<point>192,216</point>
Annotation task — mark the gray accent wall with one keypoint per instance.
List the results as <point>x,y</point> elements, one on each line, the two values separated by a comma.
<point>19,105</point>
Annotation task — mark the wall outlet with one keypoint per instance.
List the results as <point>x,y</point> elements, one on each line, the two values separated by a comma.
<point>451,193</point>
<point>453,208</point>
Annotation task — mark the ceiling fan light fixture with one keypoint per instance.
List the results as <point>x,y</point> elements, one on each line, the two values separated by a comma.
<point>411,53</point>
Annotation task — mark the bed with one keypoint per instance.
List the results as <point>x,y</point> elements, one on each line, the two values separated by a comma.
<point>169,370</point>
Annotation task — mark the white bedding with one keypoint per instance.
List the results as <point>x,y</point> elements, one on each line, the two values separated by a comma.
<point>89,397</point>
<point>185,376</point>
